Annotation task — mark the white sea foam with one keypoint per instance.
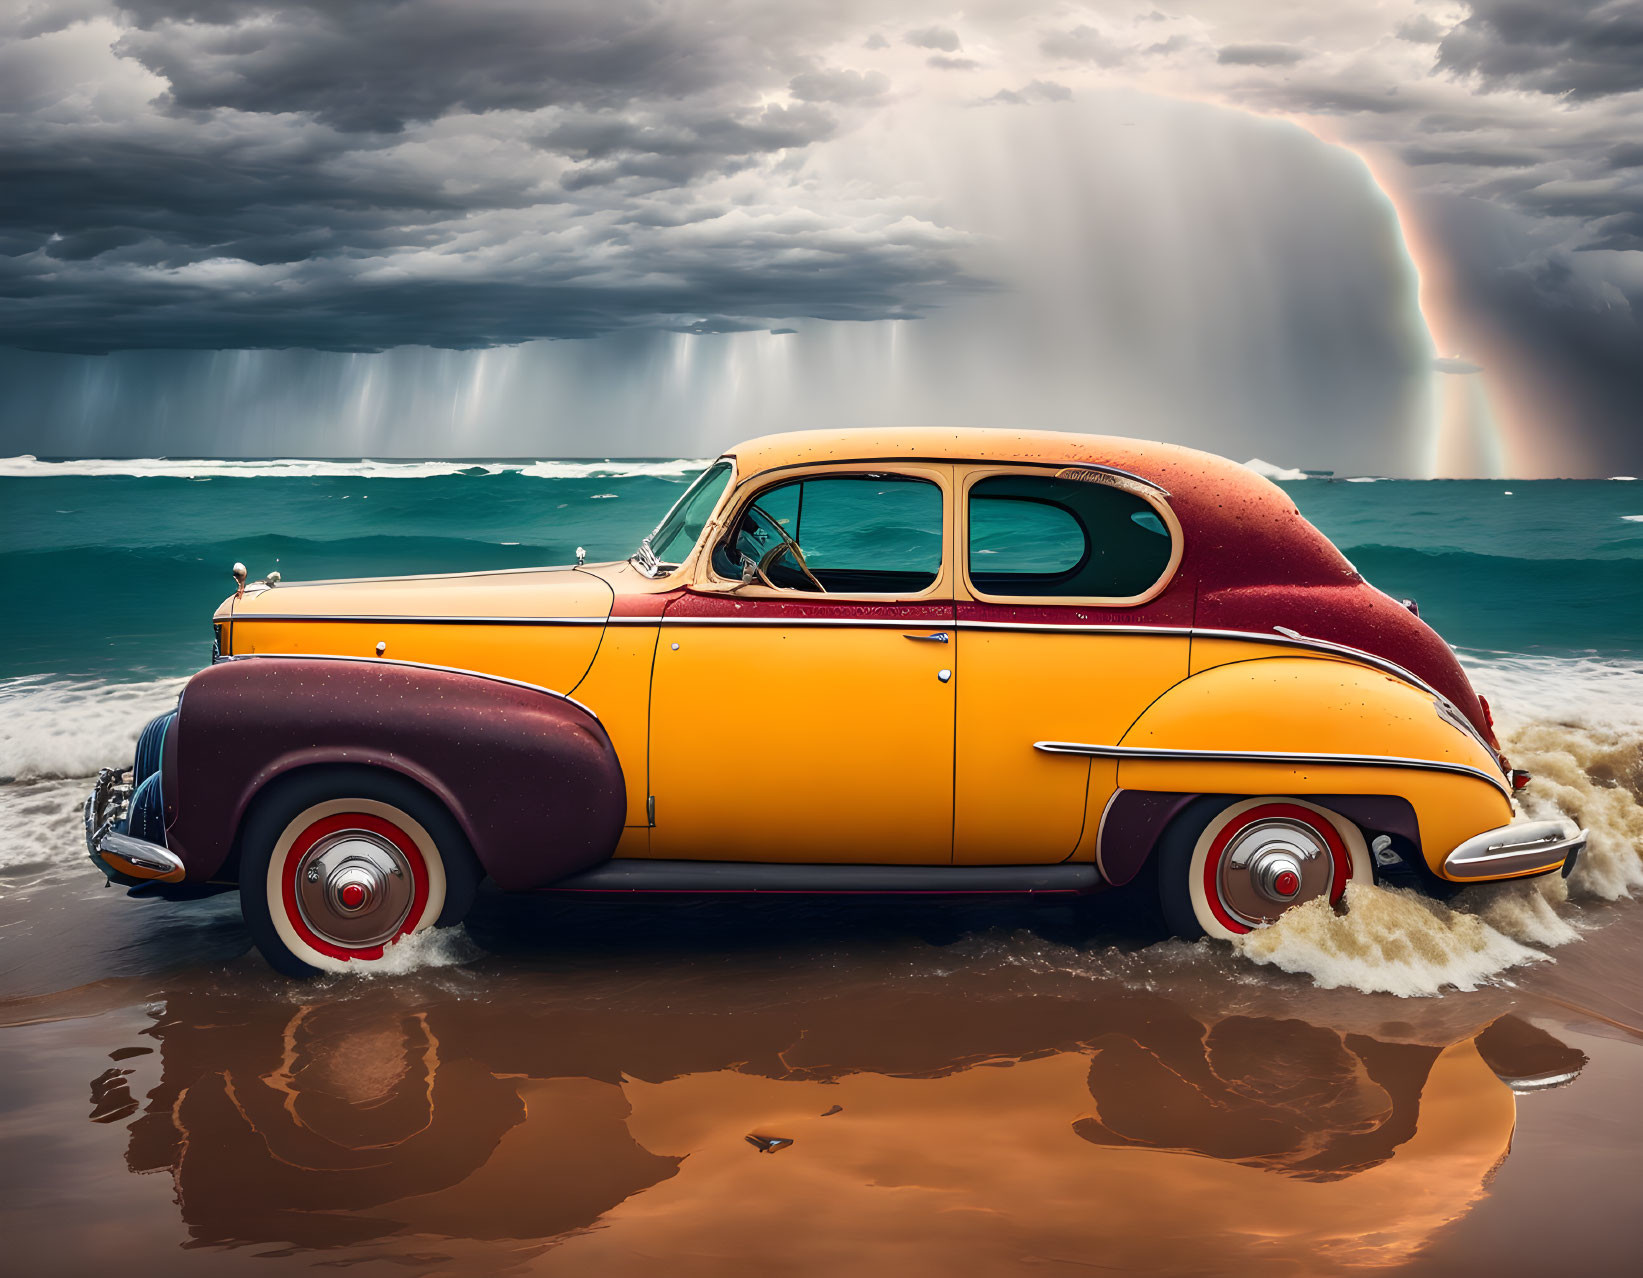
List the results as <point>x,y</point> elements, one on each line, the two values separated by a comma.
<point>29,467</point>
<point>437,947</point>
<point>1268,471</point>
<point>53,728</point>
<point>1386,942</point>
<point>1633,519</point>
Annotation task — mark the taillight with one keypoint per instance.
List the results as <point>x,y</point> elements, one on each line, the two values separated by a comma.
<point>1519,779</point>
<point>1488,715</point>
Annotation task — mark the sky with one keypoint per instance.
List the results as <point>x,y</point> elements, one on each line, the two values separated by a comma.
<point>1399,236</point>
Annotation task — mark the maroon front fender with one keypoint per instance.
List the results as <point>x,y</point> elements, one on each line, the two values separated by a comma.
<point>529,775</point>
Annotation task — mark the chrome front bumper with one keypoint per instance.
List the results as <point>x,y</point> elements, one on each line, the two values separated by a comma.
<point>119,856</point>
<point>1525,847</point>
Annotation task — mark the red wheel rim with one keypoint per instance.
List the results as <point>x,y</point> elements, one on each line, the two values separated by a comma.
<point>334,824</point>
<point>1325,829</point>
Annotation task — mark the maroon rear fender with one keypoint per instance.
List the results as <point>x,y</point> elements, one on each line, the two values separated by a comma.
<point>529,775</point>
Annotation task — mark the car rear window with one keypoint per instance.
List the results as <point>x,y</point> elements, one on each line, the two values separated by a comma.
<point>1044,536</point>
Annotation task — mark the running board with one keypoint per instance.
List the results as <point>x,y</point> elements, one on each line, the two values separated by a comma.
<point>639,874</point>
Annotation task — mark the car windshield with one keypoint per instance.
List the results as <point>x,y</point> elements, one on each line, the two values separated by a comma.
<point>677,533</point>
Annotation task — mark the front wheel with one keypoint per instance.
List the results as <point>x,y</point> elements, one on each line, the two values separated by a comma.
<point>1226,868</point>
<point>338,865</point>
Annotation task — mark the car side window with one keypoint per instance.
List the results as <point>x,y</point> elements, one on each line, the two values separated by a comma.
<point>866,533</point>
<point>1044,536</point>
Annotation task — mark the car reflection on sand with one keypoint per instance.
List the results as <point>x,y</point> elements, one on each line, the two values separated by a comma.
<point>960,1137</point>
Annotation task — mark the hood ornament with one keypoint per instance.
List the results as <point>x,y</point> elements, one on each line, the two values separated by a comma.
<point>238,572</point>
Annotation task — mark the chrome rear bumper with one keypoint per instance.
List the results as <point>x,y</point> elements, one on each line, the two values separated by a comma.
<point>121,857</point>
<point>1525,847</point>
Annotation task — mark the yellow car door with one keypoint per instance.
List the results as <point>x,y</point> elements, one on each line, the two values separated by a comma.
<point>805,714</point>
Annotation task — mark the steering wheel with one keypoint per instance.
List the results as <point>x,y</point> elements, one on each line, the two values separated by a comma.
<point>777,551</point>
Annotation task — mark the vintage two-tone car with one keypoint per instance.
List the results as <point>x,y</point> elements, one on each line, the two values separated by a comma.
<point>846,661</point>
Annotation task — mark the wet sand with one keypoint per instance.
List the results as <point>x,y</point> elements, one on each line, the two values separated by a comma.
<point>968,1088</point>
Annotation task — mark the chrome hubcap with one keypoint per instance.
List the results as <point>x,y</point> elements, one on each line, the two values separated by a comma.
<point>1271,865</point>
<point>354,888</point>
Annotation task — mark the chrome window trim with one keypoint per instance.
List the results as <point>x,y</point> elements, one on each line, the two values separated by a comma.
<point>413,665</point>
<point>644,560</point>
<point>1168,754</point>
<point>753,488</point>
<point>932,459</point>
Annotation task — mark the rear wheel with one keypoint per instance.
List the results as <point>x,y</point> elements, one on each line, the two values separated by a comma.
<point>1227,868</point>
<point>338,865</point>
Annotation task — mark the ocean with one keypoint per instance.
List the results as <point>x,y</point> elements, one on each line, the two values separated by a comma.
<point>121,563</point>
<point>967,1086</point>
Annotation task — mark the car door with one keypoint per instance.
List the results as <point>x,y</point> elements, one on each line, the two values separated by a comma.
<point>1072,621</point>
<point>806,715</point>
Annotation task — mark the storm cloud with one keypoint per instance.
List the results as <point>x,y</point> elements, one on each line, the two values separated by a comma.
<point>355,176</point>
<point>1579,48</point>
<point>358,175</point>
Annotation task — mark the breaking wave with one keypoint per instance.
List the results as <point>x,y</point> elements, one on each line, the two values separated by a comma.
<point>56,728</point>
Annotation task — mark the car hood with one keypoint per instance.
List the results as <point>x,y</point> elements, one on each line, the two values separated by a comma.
<point>529,594</point>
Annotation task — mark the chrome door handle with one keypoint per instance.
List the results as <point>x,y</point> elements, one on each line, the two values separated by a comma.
<point>940,636</point>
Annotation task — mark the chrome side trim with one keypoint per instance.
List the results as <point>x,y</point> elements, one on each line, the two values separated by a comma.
<point>415,665</point>
<point>391,619</point>
<point>882,623</point>
<point>1166,754</point>
<point>1525,847</point>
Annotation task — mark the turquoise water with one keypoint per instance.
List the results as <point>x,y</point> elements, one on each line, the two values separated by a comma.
<point>115,575</point>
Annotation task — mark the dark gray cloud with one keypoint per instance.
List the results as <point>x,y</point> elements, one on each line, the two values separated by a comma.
<point>676,151</point>
<point>1548,317</point>
<point>1474,156</point>
<point>1628,155</point>
<point>362,174</point>
<point>1579,49</point>
<point>378,65</point>
<point>1260,55</point>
